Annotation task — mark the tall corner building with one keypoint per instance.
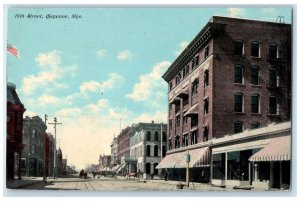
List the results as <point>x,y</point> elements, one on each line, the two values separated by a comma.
<point>234,76</point>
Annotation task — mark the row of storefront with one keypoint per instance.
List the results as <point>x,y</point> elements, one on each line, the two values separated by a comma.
<point>258,158</point>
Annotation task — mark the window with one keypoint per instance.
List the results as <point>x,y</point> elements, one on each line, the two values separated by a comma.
<point>273,78</point>
<point>194,139</point>
<point>206,52</point>
<point>239,47</point>
<point>33,133</point>
<point>194,120</point>
<point>170,86</point>
<point>177,123</point>
<point>218,166</point>
<point>195,87</point>
<point>195,62</point>
<point>156,136</point>
<point>205,134</point>
<point>177,142</point>
<point>238,127</point>
<point>33,149</point>
<point>185,140</point>
<point>206,78</point>
<point>205,106</point>
<point>148,153</point>
<point>255,52</point>
<point>238,102</point>
<point>170,144</point>
<point>148,136</point>
<point>164,137</point>
<point>185,71</point>
<point>255,125</point>
<point>155,150</point>
<point>164,150</point>
<point>178,77</point>
<point>255,75</point>
<point>273,51</point>
<point>273,105</point>
<point>255,99</point>
<point>238,74</point>
<point>185,120</point>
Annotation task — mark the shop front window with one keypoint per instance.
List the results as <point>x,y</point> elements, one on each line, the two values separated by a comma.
<point>219,166</point>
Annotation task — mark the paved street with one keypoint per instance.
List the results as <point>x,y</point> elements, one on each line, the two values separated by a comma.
<point>117,184</point>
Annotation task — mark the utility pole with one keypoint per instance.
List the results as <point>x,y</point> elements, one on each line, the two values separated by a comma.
<point>161,142</point>
<point>44,175</point>
<point>55,123</point>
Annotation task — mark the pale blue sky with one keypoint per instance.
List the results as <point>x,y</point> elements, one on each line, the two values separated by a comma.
<point>91,72</point>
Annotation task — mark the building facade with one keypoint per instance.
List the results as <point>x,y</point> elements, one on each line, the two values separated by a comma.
<point>14,143</point>
<point>105,162</point>
<point>148,145</point>
<point>234,76</point>
<point>114,151</point>
<point>34,132</point>
<point>123,144</point>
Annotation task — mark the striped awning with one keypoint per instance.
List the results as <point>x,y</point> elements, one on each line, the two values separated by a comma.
<point>278,149</point>
<point>198,158</point>
<point>192,111</point>
<point>171,160</point>
<point>174,100</point>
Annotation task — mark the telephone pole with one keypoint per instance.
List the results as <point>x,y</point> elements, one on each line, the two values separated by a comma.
<point>55,123</point>
<point>44,174</point>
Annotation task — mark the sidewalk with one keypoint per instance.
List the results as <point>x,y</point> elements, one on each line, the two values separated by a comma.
<point>24,182</point>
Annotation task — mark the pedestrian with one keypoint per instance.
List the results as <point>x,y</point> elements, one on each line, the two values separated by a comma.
<point>202,176</point>
<point>166,175</point>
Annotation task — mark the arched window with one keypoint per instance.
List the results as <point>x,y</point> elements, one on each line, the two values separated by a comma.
<point>255,75</point>
<point>148,137</point>
<point>205,134</point>
<point>238,126</point>
<point>206,78</point>
<point>194,139</point>
<point>155,150</point>
<point>255,49</point>
<point>205,105</point>
<point>33,133</point>
<point>255,103</point>
<point>148,152</point>
<point>178,78</point>
<point>238,74</point>
<point>195,86</point>
<point>273,51</point>
<point>148,168</point>
<point>33,149</point>
<point>238,102</point>
<point>156,136</point>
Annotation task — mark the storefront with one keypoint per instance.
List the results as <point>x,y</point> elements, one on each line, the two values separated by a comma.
<point>258,158</point>
<point>175,164</point>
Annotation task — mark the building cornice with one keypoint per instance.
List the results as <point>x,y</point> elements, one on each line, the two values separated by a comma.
<point>209,30</point>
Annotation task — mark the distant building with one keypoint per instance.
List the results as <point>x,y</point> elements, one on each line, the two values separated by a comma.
<point>105,162</point>
<point>59,163</point>
<point>34,131</point>
<point>148,145</point>
<point>49,154</point>
<point>114,151</point>
<point>234,76</point>
<point>123,144</point>
<point>14,144</point>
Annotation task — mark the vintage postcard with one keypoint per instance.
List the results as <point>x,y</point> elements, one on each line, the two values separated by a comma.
<point>149,98</point>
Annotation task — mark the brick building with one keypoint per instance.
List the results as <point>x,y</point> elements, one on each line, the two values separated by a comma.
<point>104,162</point>
<point>123,144</point>
<point>235,75</point>
<point>14,144</point>
<point>114,151</point>
<point>34,132</point>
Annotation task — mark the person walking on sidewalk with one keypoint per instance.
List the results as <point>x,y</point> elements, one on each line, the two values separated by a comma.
<point>166,175</point>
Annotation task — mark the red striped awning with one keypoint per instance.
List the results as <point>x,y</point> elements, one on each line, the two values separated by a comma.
<point>171,160</point>
<point>278,149</point>
<point>198,158</point>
